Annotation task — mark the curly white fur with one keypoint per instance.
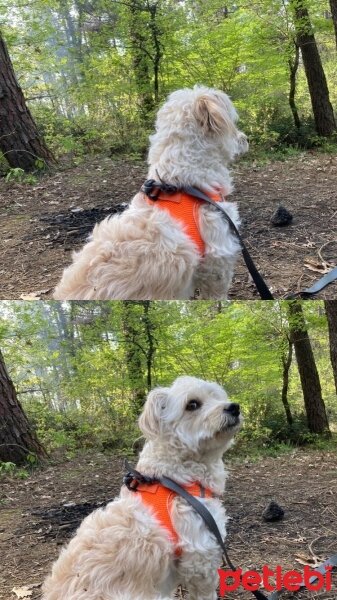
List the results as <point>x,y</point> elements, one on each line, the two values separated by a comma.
<point>122,552</point>
<point>144,254</point>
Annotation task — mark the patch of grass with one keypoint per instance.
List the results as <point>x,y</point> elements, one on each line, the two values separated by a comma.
<point>18,175</point>
<point>9,469</point>
<point>255,450</point>
<point>261,156</point>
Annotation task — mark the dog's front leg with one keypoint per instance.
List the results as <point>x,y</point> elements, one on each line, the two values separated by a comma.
<point>202,590</point>
<point>213,277</point>
<point>199,574</point>
<point>203,586</point>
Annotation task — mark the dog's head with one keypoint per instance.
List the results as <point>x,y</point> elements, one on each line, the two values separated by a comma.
<point>201,113</point>
<point>193,414</point>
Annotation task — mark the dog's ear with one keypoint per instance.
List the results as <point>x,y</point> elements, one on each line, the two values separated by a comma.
<point>150,421</point>
<point>212,116</point>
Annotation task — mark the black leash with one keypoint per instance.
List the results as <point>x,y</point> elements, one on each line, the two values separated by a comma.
<point>151,185</point>
<point>330,562</point>
<point>133,477</point>
<point>317,287</point>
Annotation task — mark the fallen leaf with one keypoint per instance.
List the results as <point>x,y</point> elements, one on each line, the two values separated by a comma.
<point>306,560</point>
<point>23,592</point>
<point>317,267</point>
<point>34,295</point>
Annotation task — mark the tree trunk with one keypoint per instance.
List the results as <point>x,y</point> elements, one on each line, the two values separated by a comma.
<point>286,364</point>
<point>318,88</point>
<point>151,346</point>
<point>331,313</point>
<point>17,440</point>
<point>293,66</point>
<point>141,57</point>
<point>157,49</point>
<point>312,393</point>
<point>333,6</point>
<point>134,353</point>
<point>20,140</point>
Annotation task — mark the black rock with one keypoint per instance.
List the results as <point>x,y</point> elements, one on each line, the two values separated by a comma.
<point>273,512</point>
<point>281,217</point>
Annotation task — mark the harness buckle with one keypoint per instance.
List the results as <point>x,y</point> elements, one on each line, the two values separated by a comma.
<point>130,482</point>
<point>160,186</point>
<point>133,478</point>
<point>148,186</point>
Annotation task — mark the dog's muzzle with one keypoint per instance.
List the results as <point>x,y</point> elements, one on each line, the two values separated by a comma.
<point>232,416</point>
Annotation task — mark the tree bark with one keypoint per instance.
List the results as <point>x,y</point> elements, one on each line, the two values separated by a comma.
<point>157,49</point>
<point>293,66</point>
<point>151,346</point>
<point>333,6</point>
<point>141,57</point>
<point>331,313</point>
<point>134,353</point>
<point>20,141</point>
<point>312,393</point>
<point>318,88</point>
<point>17,439</point>
<point>286,364</point>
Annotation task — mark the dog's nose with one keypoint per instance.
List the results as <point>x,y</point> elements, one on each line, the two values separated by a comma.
<point>233,409</point>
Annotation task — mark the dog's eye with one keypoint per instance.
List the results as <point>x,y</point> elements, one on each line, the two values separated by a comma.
<point>193,405</point>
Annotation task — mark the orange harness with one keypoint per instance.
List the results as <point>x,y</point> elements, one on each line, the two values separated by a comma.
<point>159,499</point>
<point>185,208</point>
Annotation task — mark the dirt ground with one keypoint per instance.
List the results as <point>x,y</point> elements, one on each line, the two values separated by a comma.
<point>40,224</point>
<point>38,515</point>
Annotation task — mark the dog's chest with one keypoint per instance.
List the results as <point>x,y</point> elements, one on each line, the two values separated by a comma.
<point>192,532</point>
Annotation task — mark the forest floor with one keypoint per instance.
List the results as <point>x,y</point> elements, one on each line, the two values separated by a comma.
<point>39,514</point>
<point>41,224</point>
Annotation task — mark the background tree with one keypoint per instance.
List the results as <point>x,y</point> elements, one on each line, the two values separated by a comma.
<point>82,369</point>
<point>20,141</point>
<point>311,386</point>
<point>94,72</point>
<point>286,358</point>
<point>333,6</point>
<point>331,313</point>
<point>17,439</point>
<point>317,83</point>
<point>293,69</point>
<point>140,348</point>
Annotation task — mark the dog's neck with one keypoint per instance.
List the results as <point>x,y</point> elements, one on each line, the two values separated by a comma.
<point>158,458</point>
<point>201,165</point>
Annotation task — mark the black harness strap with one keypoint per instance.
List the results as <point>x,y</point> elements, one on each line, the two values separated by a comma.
<point>260,284</point>
<point>150,185</point>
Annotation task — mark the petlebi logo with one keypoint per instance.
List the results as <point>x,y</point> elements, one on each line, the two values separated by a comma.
<point>312,580</point>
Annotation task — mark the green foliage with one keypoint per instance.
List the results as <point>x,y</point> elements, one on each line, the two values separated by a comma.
<point>81,369</point>
<point>18,175</point>
<point>75,430</point>
<point>89,73</point>
<point>9,469</point>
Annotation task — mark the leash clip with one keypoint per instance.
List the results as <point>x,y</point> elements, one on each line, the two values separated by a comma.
<point>147,188</point>
<point>159,186</point>
<point>133,478</point>
<point>130,482</point>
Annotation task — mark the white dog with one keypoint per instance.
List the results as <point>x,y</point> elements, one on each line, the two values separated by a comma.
<point>124,551</point>
<point>149,252</point>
